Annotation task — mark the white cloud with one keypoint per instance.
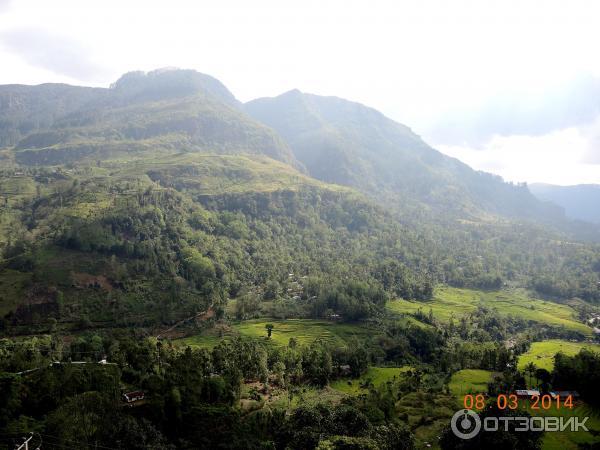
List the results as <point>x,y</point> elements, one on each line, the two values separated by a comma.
<point>558,157</point>
<point>418,61</point>
<point>56,53</point>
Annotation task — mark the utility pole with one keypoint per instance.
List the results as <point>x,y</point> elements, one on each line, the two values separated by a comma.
<point>25,445</point>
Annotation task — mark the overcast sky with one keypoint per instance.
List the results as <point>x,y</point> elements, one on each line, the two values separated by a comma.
<point>510,87</point>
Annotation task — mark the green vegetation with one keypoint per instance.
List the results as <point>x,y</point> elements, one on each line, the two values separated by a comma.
<point>450,302</point>
<point>427,414</point>
<point>542,353</point>
<point>12,287</point>
<point>348,143</point>
<point>160,208</point>
<point>303,331</point>
<point>569,440</point>
<point>469,381</point>
<point>374,376</point>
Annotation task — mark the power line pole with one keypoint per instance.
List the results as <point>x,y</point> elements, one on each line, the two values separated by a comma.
<point>25,445</point>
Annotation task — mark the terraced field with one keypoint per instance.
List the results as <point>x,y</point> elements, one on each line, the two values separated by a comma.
<point>469,381</point>
<point>304,331</point>
<point>542,353</point>
<point>448,301</point>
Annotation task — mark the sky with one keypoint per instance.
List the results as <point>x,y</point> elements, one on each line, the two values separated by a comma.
<point>509,87</point>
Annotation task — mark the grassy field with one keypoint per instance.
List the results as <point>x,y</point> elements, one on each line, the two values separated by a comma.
<point>210,174</point>
<point>568,440</point>
<point>448,302</point>
<point>542,353</point>
<point>375,375</point>
<point>411,321</point>
<point>304,331</point>
<point>469,381</point>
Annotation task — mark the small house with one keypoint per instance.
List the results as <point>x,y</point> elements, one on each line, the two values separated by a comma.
<point>133,396</point>
<point>527,393</point>
<point>564,394</point>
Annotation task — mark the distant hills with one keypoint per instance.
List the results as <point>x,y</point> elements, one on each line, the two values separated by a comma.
<point>166,112</point>
<point>163,194</point>
<point>581,202</point>
<point>348,143</point>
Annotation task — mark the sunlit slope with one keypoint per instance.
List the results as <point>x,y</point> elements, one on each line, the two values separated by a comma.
<point>542,353</point>
<point>349,143</point>
<point>454,302</point>
<point>209,174</point>
<point>304,331</point>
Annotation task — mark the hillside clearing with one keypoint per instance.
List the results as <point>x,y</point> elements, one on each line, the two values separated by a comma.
<point>450,302</point>
<point>470,381</point>
<point>305,331</point>
<point>542,353</point>
<point>374,375</point>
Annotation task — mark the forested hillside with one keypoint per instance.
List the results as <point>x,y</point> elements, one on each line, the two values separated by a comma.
<point>160,112</point>
<point>347,143</point>
<point>147,202</point>
<point>298,272</point>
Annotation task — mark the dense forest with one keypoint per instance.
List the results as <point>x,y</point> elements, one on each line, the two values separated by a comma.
<point>235,268</point>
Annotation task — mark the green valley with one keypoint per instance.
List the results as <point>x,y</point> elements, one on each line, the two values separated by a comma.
<point>297,272</point>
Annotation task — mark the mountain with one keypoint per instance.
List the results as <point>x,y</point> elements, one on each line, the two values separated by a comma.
<point>157,237</point>
<point>165,187</point>
<point>581,202</point>
<point>350,144</point>
<point>28,109</point>
<point>164,111</point>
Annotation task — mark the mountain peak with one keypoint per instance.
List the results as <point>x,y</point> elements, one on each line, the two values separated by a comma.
<point>348,143</point>
<point>169,82</point>
<point>292,92</point>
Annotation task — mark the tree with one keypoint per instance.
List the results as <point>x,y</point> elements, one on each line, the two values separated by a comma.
<point>544,378</point>
<point>394,436</point>
<point>269,328</point>
<point>86,418</point>
<point>530,369</point>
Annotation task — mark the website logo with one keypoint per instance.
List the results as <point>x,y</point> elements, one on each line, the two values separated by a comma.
<point>465,424</point>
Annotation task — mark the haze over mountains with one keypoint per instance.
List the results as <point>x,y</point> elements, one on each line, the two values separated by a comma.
<point>581,202</point>
<point>169,138</point>
<point>333,140</point>
<point>164,111</point>
<point>162,208</point>
<point>347,143</point>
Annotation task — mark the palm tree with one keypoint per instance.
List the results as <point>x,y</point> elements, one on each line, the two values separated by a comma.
<point>530,369</point>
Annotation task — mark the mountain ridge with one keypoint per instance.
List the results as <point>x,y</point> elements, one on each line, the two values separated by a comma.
<point>165,111</point>
<point>580,202</point>
<point>352,144</point>
<point>334,140</point>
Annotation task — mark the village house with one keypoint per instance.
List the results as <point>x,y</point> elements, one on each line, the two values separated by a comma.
<point>133,396</point>
<point>527,393</point>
